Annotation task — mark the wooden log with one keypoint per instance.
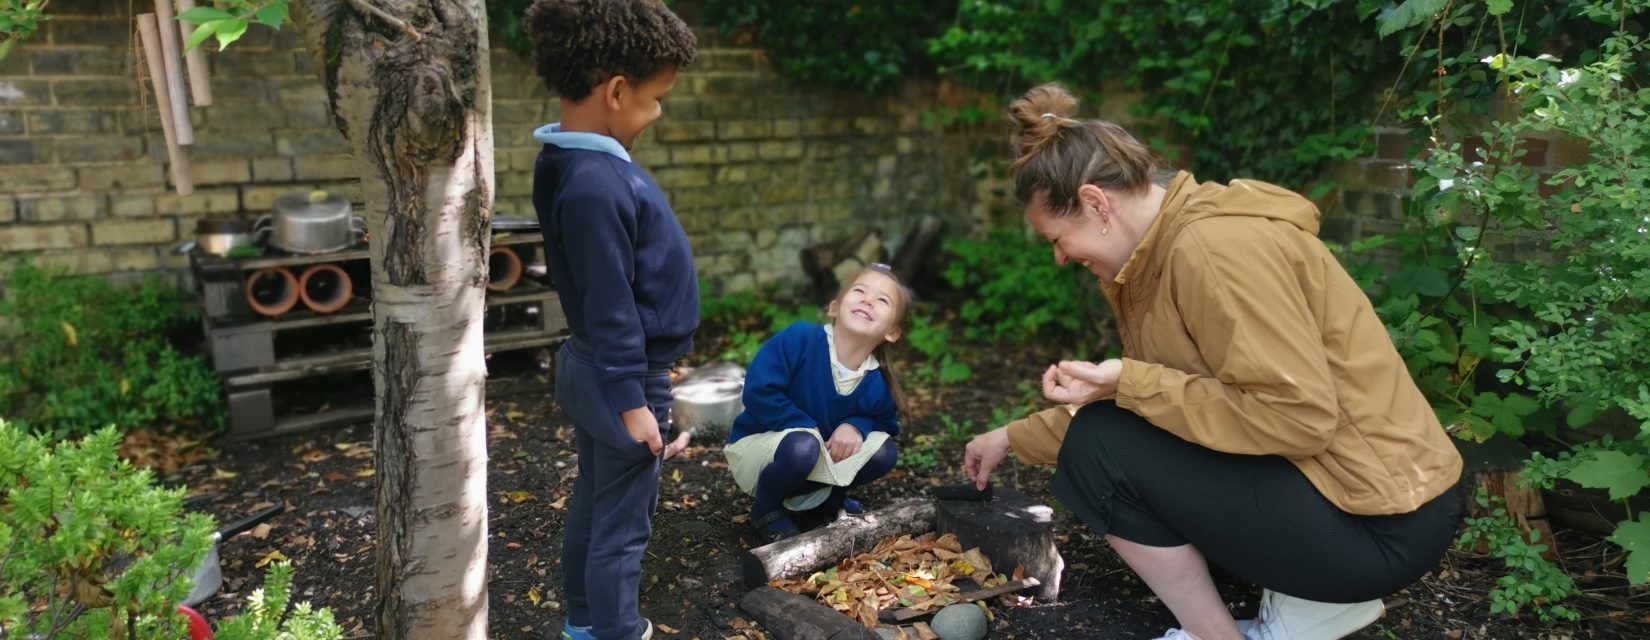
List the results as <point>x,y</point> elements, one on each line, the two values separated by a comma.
<point>200,85</point>
<point>1493,466</point>
<point>788,616</point>
<point>829,264</point>
<point>1010,529</point>
<point>149,34</point>
<point>801,555</point>
<point>917,250</point>
<point>171,48</point>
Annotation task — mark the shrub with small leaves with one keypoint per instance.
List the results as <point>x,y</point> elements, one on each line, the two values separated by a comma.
<point>90,541</point>
<point>88,353</point>
<point>270,614</point>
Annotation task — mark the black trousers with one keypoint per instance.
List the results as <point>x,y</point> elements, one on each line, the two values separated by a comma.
<point>1257,516</point>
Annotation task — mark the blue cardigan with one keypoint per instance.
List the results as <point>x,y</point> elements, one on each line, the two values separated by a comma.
<point>789,385</point>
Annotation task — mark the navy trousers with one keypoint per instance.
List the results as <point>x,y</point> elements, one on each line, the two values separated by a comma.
<point>611,516</point>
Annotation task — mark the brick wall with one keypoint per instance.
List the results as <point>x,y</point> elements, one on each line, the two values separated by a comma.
<point>757,169</point>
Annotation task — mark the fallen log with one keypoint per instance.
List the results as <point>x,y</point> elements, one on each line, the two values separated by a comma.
<point>801,555</point>
<point>789,616</point>
<point>1010,529</point>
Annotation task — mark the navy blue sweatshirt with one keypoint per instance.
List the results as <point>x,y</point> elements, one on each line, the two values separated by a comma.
<point>619,258</point>
<point>790,385</point>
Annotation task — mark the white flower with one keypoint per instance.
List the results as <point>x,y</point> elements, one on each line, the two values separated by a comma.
<point>1567,77</point>
<point>1445,184</point>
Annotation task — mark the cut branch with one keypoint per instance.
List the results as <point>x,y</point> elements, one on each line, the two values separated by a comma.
<point>362,6</point>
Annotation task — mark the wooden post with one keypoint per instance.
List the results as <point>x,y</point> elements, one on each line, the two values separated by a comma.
<point>833,543</point>
<point>1494,466</point>
<point>183,131</point>
<point>1011,530</point>
<point>200,86</point>
<point>148,32</point>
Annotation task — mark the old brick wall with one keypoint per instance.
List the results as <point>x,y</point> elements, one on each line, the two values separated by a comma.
<point>757,169</point>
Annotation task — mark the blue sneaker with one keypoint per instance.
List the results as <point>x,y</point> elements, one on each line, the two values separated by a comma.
<point>570,632</point>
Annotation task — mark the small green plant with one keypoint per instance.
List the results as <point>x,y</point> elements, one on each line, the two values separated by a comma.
<point>90,542</point>
<point>270,614</point>
<point>88,353</point>
<point>1532,584</point>
<point>955,430</point>
<point>933,341</point>
<point>1017,292</point>
<point>746,319</point>
<point>922,456</point>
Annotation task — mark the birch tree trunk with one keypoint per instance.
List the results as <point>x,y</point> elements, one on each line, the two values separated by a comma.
<point>410,88</point>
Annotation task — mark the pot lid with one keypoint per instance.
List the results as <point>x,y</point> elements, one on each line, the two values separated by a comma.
<point>317,204</point>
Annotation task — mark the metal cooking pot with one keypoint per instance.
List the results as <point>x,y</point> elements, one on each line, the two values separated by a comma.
<point>209,575</point>
<point>707,399</point>
<point>314,222</point>
<point>222,236</point>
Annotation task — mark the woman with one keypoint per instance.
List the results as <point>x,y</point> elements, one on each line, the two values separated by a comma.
<point>1260,416</point>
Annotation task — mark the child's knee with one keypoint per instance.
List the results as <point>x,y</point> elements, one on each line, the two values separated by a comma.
<point>798,450</point>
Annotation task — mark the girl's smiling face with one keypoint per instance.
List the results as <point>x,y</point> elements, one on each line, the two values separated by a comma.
<point>870,306</point>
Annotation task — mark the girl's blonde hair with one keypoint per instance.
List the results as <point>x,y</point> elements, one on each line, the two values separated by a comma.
<point>1056,153</point>
<point>900,323</point>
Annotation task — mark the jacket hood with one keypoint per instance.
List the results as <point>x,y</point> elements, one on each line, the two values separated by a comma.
<point>1188,201</point>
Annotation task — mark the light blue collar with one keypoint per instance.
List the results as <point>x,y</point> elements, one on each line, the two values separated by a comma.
<point>552,134</point>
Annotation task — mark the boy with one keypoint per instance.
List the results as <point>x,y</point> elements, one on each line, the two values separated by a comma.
<point>625,272</point>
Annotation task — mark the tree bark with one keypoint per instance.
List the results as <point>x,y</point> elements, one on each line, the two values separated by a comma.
<point>409,86</point>
<point>1010,529</point>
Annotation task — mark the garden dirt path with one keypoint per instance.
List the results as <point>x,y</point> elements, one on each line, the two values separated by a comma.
<point>691,573</point>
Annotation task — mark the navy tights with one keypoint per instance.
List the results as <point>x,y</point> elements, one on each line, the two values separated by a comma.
<point>795,458</point>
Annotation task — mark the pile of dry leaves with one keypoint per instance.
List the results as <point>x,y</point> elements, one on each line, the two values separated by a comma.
<point>916,573</point>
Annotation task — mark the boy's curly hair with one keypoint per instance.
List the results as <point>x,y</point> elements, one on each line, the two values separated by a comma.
<point>579,44</point>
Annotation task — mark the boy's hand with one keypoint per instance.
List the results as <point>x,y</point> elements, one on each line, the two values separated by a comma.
<point>676,446</point>
<point>643,427</point>
<point>844,442</point>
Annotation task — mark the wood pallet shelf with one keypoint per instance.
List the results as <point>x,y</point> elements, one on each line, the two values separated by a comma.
<point>256,355</point>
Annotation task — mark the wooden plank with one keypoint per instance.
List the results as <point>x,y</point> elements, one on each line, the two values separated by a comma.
<point>249,264</point>
<point>361,358</point>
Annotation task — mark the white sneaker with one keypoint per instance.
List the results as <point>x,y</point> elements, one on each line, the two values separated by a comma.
<point>1176,634</point>
<point>1284,617</point>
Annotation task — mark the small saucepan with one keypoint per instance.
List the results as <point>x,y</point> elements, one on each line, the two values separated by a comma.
<point>209,575</point>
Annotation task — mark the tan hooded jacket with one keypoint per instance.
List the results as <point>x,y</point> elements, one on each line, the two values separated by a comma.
<point>1243,334</point>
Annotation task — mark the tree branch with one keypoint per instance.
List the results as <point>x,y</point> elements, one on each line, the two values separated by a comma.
<point>362,6</point>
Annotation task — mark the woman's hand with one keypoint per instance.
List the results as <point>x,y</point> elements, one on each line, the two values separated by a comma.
<point>844,442</point>
<point>983,454</point>
<point>1076,382</point>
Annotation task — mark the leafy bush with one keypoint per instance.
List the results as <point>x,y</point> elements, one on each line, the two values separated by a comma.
<point>1014,291</point>
<point>92,543</point>
<point>87,353</point>
<point>90,540</point>
<point>838,43</point>
<point>933,340</point>
<point>1519,297</point>
<point>1532,583</point>
<point>746,319</point>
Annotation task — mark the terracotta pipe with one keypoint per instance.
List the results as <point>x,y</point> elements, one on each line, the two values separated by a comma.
<point>503,269</point>
<point>325,288</point>
<point>171,46</point>
<point>149,33</point>
<point>272,291</point>
<point>200,86</point>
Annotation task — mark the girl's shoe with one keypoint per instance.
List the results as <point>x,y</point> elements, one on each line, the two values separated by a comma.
<point>570,632</point>
<point>775,525</point>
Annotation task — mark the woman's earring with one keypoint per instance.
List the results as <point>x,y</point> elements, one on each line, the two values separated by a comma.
<point>1105,230</point>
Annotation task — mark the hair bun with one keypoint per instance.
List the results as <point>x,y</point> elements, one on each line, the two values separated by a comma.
<point>1038,117</point>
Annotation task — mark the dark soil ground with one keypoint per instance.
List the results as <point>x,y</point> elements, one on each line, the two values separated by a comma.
<point>691,581</point>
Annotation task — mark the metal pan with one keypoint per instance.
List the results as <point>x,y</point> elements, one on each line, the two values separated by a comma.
<point>209,575</point>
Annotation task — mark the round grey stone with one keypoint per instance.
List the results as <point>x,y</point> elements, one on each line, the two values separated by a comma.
<point>959,622</point>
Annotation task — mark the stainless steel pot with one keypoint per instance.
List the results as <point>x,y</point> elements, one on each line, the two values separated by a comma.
<point>709,398</point>
<point>313,222</point>
<point>209,575</point>
<point>222,236</point>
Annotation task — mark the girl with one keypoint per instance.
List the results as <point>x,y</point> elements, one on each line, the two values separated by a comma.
<point>821,407</point>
